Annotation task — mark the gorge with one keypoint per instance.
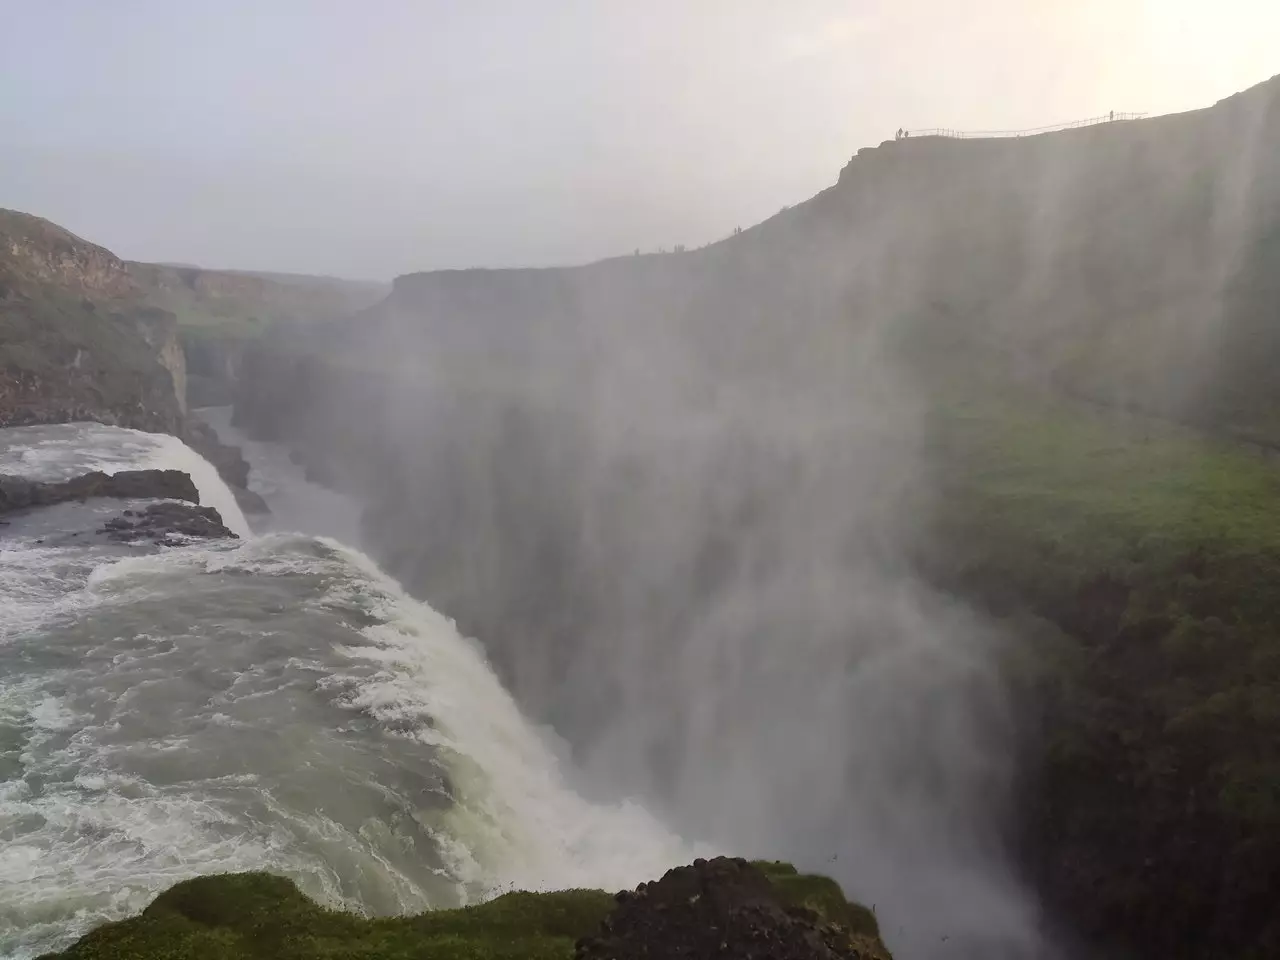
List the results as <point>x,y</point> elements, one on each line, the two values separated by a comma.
<point>808,534</point>
<point>924,535</point>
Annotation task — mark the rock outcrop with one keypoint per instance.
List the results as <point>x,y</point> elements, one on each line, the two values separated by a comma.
<point>18,493</point>
<point>725,908</point>
<point>167,525</point>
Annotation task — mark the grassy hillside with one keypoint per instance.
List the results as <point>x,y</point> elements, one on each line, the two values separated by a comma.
<point>1156,549</point>
<point>255,915</point>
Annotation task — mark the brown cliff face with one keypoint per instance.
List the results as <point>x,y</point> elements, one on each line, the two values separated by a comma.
<point>221,312</point>
<point>75,343</point>
<point>160,329</point>
<point>87,336</point>
<point>65,358</point>
<point>35,251</point>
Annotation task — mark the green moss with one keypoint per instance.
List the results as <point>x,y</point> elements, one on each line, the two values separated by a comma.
<point>254,916</point>
<point>824,897</point>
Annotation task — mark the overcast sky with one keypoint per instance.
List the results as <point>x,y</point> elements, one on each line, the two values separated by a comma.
<point>380,137</point>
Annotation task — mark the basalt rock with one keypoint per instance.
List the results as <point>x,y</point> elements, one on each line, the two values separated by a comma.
<point>18,493</point>
<point>719,908</point>
<point>168,525</point>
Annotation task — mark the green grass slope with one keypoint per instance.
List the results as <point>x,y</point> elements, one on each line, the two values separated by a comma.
<point>1155,809</point>
<point>254,916</point>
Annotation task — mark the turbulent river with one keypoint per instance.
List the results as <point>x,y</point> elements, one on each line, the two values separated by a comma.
<point>274,702</point>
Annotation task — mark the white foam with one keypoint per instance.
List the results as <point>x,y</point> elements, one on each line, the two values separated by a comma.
<point>515,822</point>
<point>172,454</point>
<point>97,841</point>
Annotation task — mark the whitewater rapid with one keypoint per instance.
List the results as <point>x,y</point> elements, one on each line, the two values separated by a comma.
<point>274,702</point>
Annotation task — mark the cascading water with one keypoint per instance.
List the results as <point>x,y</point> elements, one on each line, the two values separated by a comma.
<point>265,703</point>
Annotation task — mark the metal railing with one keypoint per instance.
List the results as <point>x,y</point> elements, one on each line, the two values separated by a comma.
<point>982,134</point>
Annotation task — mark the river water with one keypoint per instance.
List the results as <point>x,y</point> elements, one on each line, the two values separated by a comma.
<point>274,702</point>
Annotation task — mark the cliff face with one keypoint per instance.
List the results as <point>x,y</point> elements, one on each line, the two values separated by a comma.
<point>557,456</point>
<point>87,336</point>
<point>222,312</point>
<point>75,342</point>
<point>74,359</point>
<point>35,251</point>
<point>160,330</point>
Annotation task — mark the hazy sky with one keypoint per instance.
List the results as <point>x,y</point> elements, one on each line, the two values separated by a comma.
<point>385,136</point>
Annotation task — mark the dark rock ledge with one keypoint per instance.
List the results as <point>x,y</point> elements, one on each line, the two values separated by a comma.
<point>174,519</point>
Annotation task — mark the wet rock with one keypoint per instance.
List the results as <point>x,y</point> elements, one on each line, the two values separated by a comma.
<point>716,908</point>
<point>19,493</point>
<point>167,524</point>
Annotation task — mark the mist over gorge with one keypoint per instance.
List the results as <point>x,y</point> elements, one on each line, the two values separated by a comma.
<point>571,481</point>
<point>706,512</point>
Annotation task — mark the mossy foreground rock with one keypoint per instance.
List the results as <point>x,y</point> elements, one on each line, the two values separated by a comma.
<point>730,908</point>
<point>256,915</point>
